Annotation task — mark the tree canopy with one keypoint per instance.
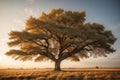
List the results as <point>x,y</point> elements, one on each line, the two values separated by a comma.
<point>60,35</point>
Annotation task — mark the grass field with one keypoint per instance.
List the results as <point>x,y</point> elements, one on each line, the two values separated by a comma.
<point>65,74</point>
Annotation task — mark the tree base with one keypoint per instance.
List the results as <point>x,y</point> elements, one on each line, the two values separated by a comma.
<point>57,69</point>
<point>57,65</point>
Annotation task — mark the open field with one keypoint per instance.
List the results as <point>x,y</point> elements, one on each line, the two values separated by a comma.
<point>66,74</point>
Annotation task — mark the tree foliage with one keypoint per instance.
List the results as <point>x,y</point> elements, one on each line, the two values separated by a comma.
<point>60,35</point>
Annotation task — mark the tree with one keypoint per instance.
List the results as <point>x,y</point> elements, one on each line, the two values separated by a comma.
<point>97,67</point>
<point>60,35</point>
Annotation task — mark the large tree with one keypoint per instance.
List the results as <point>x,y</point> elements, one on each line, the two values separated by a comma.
<point>60,35</point>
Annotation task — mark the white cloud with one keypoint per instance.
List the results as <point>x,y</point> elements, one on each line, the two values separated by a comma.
<point>17,21</point>
<point>4,45</point>
<point>29,12</point>
<point>18,24</point>
<point>115,27</point>
<point>31,0</point>
<point>25,13</point>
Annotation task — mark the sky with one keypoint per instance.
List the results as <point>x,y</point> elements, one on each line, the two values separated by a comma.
<point>14,13</point>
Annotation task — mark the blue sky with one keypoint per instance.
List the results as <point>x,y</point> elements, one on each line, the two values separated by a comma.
<point>14,13</point>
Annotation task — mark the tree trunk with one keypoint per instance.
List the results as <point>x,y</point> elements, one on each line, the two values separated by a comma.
<point>57,65</point>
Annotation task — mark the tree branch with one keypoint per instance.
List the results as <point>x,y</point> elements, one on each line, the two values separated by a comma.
<point>76,50</point>
<point>38,43</point>
<point>47,53</point>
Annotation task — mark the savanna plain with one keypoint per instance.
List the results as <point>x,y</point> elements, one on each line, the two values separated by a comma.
<point>65,74</point>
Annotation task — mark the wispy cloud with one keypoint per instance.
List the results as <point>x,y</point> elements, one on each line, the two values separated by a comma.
<point>115,27</point>
<point>18,24</point>
<point>30,1</point>
<point>17,21</point>
<point>24,14</point>
<point>29,12</point>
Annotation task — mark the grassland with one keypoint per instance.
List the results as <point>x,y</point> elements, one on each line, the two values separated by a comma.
<point>65,74</point>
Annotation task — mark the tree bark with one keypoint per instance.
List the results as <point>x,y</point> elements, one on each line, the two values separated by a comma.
<point>57,65</point>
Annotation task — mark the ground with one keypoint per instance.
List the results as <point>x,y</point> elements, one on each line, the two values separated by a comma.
<point>65,74</point>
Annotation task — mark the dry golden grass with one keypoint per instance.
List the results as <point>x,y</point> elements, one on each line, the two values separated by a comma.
<point>66,74</point>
